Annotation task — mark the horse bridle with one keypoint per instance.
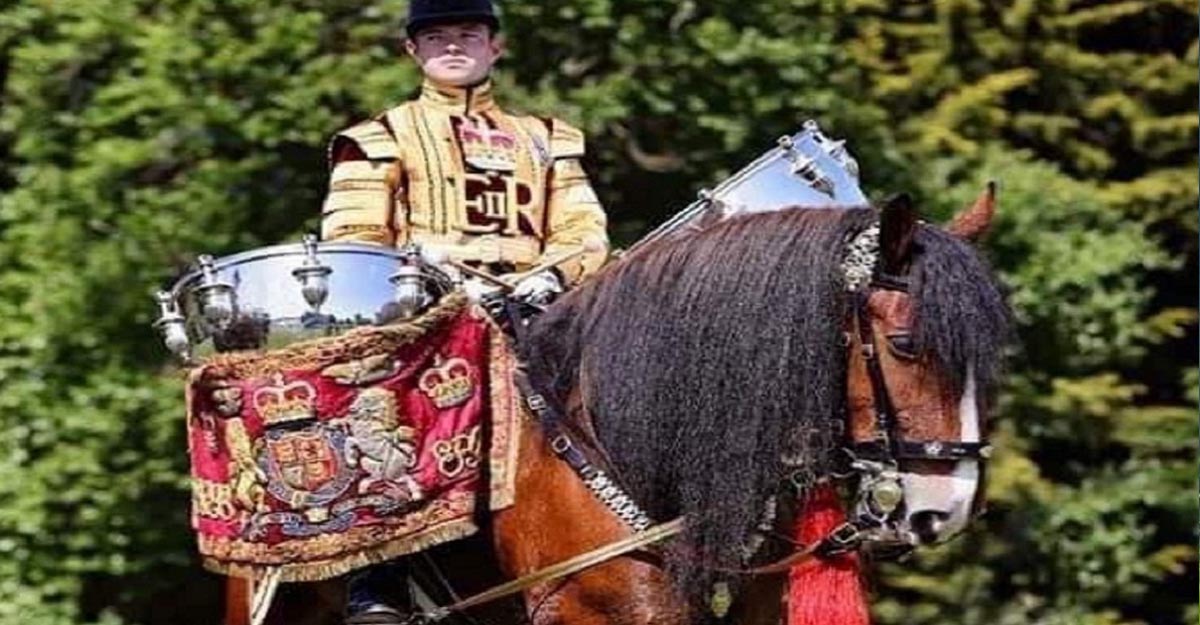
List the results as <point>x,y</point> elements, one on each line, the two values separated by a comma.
<point>887,445</point>
<point>876,461</point>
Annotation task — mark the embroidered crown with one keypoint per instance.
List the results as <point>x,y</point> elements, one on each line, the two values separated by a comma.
<point>285,403</point>
<point>448,384</point>
<point>488,148</point>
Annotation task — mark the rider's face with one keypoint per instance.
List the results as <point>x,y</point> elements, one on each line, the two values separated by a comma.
<point>455,55</point>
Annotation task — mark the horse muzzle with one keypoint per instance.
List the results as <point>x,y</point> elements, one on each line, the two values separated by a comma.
<point>938,507</point>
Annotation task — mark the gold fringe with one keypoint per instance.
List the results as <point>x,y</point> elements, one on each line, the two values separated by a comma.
<point>318,570</point>
<point>317,353</point>
<point>506,413</point>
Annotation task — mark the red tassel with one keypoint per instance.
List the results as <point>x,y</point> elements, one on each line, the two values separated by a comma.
<point>825,591</point>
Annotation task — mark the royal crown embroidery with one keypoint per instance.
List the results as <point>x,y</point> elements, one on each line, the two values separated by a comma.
<point>285,403</point>
<point>489,149</point>
<point>449,384</point>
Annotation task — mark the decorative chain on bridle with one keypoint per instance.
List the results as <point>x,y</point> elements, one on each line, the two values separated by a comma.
<point>862,256</point>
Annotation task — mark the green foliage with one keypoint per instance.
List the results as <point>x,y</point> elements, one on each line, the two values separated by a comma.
<point>1076,267</point>
<point>675,96</point>
<point>135,135</point>
<point>1086,115</point>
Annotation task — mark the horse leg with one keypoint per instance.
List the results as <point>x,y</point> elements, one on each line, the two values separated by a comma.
<point>554,518</point>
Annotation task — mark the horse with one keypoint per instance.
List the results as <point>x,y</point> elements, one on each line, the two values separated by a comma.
<point>720,377</point>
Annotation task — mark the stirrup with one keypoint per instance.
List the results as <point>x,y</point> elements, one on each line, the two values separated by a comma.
<point>379,615</point>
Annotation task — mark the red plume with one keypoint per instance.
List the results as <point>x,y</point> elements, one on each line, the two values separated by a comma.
<point>825,591</point>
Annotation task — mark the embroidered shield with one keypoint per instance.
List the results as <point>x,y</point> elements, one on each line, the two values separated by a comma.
<point>305,468</point>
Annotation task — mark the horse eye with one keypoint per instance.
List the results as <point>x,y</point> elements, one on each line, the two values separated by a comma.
<point>902,345</point>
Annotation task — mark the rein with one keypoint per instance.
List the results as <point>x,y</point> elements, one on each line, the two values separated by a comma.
<point>562,569</point>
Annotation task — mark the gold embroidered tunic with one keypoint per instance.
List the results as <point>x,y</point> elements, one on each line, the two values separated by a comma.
<point>454,173</point>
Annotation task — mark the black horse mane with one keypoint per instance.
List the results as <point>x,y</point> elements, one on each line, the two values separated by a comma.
<point>715,365</point>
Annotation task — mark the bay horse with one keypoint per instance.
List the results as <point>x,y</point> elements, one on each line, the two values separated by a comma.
<point>719,376</point>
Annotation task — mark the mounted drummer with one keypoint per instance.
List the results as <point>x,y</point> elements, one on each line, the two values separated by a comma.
<point>454,173</point>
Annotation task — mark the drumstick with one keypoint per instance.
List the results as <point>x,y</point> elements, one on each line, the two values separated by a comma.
<point>554,262</point>
<point>481,274</point>
<point>508,284</point>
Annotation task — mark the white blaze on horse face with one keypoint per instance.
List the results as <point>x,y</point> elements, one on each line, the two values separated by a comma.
<point>948,497</point>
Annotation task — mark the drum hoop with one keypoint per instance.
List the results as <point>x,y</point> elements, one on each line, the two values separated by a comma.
<point>284,249</point>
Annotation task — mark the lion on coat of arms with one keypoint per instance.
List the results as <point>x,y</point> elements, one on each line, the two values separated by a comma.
<point>381,447</point>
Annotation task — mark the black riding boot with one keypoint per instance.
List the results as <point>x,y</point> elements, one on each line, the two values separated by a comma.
<point>378,595</point>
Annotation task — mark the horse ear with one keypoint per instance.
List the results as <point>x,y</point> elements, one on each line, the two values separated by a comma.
<point>897,226</point>
<point>974,221</point>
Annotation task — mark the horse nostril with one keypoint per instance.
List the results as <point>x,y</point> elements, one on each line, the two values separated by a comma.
<point>927,524</point>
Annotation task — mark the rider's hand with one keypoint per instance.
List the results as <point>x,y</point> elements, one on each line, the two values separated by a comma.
<point>539,289</point>
<point>479,290</point>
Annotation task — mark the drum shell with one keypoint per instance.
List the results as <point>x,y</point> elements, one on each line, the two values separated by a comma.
<point>270,307</point>
<point>772,182</point>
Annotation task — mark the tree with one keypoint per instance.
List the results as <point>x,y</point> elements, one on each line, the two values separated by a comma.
<point>1095,489</point>
<point>136,135</point>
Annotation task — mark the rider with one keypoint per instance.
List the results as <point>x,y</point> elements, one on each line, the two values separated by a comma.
<point>454,173</point>
<point>457,175</point>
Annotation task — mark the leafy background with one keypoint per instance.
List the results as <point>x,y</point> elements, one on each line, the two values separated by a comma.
<point>136,134</point>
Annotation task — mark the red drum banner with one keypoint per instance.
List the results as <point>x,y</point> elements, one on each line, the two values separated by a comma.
<point>325,456</point>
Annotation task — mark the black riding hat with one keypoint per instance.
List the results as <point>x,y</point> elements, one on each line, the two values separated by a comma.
<point>425,13</point>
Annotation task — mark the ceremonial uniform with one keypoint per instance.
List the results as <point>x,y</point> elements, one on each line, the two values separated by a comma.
<point>454,173</point>
<point>457,175</point>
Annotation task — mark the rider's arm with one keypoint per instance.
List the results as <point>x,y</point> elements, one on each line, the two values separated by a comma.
<point>363,179</point>
<point>574,216</point>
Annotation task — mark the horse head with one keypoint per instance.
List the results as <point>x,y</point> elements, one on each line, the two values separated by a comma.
<point>916,430</point>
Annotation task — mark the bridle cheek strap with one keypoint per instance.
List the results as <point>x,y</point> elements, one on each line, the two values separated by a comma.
<point>885,414</point>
